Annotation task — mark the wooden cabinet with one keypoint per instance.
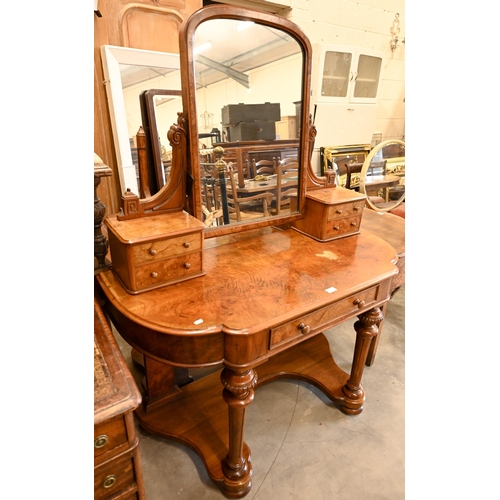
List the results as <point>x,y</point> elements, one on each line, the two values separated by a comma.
<point>156,251</point>
<point>345,90</point>
<point>117,463</point>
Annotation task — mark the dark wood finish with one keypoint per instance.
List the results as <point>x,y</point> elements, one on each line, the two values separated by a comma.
<point>332,213</point>
<point>101,243</point>
<point>117,461</point>
<point>143,156</point>
<point>267,296</point>
<point>148,115</point>
<point>155,251</point>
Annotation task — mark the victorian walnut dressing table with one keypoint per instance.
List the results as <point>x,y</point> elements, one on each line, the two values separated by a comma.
<point>266,292</point>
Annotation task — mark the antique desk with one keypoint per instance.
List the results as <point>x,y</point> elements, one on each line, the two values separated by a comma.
<point>259,313</point>
<point>117,463</point>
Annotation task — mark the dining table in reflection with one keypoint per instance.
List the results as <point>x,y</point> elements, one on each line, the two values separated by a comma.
<point>373,183</point>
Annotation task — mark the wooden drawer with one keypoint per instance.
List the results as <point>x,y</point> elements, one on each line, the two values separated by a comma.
<point>109,435</point>
<point>114,477</point>
<point>168,270</point>
<point>345,226</point>
<point>344,210</point>
<point>166,249</point>
<point>323,318</point>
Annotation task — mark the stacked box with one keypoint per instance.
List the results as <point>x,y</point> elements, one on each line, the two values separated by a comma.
<point>250,122</point>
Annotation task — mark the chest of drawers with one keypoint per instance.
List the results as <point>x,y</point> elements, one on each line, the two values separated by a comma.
<point>117,463</point>
<point>151,252</point>
<point>331,213</point>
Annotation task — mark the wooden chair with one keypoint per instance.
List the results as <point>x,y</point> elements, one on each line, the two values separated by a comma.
<point>263,167</point>
<point>243,208</point>
<point>287,185</point>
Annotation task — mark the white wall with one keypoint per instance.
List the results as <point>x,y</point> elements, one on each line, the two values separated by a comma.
<point>365,24</point>
<point>360,23</point>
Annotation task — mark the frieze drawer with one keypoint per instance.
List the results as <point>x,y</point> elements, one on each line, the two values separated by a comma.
<point>323,318</point>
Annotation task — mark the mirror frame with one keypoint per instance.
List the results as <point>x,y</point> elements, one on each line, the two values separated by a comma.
<point>364,171</point>
<point>186,41</point>
<point>112,56</point>
<point>150,127</point>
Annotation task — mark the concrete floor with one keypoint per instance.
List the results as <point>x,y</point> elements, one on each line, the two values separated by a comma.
<point>302,446</point>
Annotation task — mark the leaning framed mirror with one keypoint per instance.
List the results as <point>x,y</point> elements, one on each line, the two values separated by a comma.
<point>127,73</point>
<point>383,175</point>
<point>245,81</point>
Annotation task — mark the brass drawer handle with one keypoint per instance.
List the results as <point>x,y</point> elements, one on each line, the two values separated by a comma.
<point>360,303</point>
<point>152,251</point>
<point>187,265</point>
<point>339,211</point>
<point>356,208</point>
<point>353,224</point>
<point>154,274</point>
<point>100,441</point>
<point>187,244</point>
<point>336,228</point>
<point>305,329</point>
<point>109,481</point>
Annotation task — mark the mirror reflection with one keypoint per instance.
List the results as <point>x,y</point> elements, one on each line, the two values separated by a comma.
<point>248,81</point>
<point>129,73</point>
<point>383,176</point>
<point>151,103</point>
<point>159,110</point>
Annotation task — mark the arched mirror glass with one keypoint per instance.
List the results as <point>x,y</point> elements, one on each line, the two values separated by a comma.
<point>246,77</point>
<point>383,176</point>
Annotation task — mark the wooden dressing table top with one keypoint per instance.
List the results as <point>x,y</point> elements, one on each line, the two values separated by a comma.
<point>261,308</point>
<point>257,279</point>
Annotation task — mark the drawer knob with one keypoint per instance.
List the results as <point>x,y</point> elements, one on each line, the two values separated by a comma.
<point>356,208</point>
<point>360,303</point>
<point>154,274</point>
<point>152,251</point>
<point>339,211</point>
<point>304,328</point>
<point>187,265</point>
<point>353,224</point>
<point>100,441</point>
<point>187,244</point>
<point>336,228</point>
<point>109,481</point>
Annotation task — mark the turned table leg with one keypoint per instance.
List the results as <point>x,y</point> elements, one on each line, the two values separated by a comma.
<point>366,329</point>
<point>370,358</point>
<point>238,393</point>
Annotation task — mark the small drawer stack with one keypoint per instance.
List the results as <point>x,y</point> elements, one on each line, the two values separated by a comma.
<point>331,213</point>
<point>151,252</point>
<point>117,462</point>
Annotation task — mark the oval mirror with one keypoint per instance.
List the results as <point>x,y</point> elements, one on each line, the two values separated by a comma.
<point>382,177</point>
<point>245,80</point>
